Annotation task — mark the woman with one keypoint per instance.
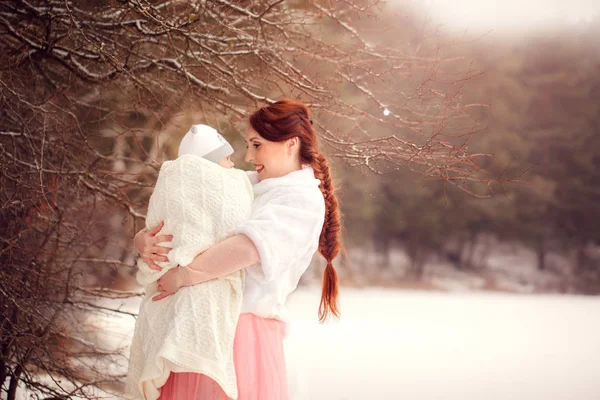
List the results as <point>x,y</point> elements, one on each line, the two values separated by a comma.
<point>295,212</point>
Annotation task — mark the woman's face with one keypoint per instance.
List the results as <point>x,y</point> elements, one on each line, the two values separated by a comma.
<point>271,159</point>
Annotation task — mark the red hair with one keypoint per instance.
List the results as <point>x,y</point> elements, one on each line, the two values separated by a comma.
<point>287,119</point>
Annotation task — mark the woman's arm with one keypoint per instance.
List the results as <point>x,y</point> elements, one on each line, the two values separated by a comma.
<point>222,259</point>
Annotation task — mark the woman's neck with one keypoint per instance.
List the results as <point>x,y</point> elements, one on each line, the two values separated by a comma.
<point>286,171</point>
<point>296,166</point>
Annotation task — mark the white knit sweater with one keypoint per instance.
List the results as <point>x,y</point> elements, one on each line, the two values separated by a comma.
<point>192,330</point>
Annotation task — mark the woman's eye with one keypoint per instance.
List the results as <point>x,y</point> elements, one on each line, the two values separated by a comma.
<point>256,145</point>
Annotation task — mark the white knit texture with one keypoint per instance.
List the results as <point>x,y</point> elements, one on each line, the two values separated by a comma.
<point>193,330</point>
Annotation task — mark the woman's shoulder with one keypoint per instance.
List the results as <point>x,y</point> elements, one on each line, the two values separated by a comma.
<point>300,197</point>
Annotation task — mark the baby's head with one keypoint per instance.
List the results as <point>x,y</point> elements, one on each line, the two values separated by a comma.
<point>206,142</point>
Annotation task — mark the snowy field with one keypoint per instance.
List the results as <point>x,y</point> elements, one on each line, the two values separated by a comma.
<point>416,345</point>
<point>469,346</point>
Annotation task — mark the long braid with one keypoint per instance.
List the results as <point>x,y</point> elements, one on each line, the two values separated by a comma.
<point>287,119</point>
<point>329,241</point>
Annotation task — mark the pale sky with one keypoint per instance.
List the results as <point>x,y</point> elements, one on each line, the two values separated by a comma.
<point>502,15</point>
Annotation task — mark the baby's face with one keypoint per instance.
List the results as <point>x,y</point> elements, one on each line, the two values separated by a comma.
<point>226,162</point>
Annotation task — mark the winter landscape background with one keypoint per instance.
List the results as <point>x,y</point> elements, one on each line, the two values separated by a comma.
<point>464,138</point>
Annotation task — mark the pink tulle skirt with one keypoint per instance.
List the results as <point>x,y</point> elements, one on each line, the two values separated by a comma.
<point>259,365</point>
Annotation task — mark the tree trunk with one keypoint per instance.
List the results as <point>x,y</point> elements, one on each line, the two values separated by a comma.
<point>7,326</point>
<point>541,254</point>
<point>417,259</point>
<point>471,246</point>
<point>486,248</point>
<point>582,260</point>
<point>385,249</point>
<point>419,268</point>
<point>14,384</point>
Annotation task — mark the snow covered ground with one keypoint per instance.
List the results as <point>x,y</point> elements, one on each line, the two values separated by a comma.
<point>430,345</point>
<point>415,345</point>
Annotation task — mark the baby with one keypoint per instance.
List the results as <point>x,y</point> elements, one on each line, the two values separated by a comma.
<point>201,198</point>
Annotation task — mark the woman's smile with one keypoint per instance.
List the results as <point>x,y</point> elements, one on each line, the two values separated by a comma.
<point>271,159</point>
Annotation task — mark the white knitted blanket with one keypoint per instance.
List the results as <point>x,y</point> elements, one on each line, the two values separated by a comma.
<point>192,330</point>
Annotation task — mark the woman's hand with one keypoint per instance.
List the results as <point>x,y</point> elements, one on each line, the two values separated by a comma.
<point>145,242</point>
<point>169,283</point>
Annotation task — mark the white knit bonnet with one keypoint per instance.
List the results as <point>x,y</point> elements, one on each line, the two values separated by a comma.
<point>204,141</point>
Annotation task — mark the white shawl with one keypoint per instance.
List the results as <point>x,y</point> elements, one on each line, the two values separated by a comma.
<point>193,330</point>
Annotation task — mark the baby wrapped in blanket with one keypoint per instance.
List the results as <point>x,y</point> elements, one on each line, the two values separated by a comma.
<point>201,199</point>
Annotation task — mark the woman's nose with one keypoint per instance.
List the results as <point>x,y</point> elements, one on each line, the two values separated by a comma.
<point>248,157</point>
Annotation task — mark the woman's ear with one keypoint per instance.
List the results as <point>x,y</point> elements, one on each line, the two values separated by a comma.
<point>292,145</point>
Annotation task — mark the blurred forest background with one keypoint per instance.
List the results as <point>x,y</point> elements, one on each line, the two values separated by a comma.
<point>462,162</point>
<point>542,115</point>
